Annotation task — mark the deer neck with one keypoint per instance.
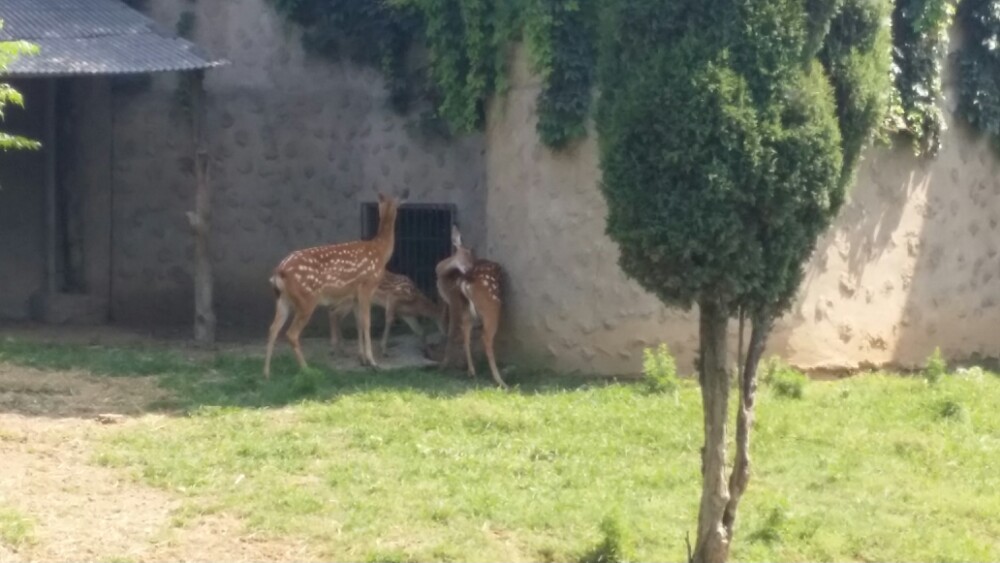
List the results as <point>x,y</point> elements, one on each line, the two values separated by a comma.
<point>385,238</point>
<point>453,265</point>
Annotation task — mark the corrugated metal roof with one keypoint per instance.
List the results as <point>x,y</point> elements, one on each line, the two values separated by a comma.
<point>94,37</point>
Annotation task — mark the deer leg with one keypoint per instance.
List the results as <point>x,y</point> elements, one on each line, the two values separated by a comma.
<point>453,320</point>
<point>335,335</point>
<point>360,333</point>
<point>364,315</point>
<point>280,316</point>
<point>390,317</point>
<point>441,320</point>
<point>302,316</point>
<point>467,338</point>
<point>489,331</point>
<point>337,315</point>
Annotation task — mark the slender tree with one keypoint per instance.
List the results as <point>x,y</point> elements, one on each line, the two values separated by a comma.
<point>729,132</point>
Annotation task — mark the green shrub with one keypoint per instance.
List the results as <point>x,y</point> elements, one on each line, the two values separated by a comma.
<point>936,368</point>
<point>659,370</point>
<point>782,379</point>
<point>614,544</point>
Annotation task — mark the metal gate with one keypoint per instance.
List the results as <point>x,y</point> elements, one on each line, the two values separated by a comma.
<point>423,238</point>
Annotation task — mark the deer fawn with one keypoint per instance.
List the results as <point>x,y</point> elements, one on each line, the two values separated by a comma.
<point>332,274</point>
<point>471,289</point>
<point>398,295</point>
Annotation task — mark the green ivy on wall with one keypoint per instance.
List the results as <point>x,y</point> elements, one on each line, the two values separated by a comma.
<point>979,98</point>
<point>563,43</point>
<point>468,43</point>
<point>920,40</point>
<point>369,32</point>
<point>461,40</point>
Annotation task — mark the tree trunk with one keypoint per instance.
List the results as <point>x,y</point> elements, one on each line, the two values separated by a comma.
<point>744,419</point>
<point>717,515</point>
<point>200,219</point>
<point>712,543</point>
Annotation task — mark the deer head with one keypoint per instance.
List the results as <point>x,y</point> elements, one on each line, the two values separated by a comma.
<point>461,259</point>
<point>388,207</point>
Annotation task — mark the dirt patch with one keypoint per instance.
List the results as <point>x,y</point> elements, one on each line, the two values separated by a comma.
<point>84,512</point>
<point>35,392</point>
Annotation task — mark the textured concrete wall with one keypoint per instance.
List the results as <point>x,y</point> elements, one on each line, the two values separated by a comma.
<point>297,144</point>
<point>910,263</point>
<point>22,207</point>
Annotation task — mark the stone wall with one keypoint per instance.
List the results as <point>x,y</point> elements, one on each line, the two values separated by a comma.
<point>298,143</point>
<point>910,263</point>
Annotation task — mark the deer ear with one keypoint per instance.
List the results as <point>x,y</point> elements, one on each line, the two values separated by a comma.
<point>381,198</point>
<point>456,236</point>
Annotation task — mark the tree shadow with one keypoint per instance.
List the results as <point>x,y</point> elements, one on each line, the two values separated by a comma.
<point>910,264</point>
<point>953,284</point>
<point>847,281</point>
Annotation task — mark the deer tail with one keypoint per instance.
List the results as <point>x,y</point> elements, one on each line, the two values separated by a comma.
<point>278,284</point>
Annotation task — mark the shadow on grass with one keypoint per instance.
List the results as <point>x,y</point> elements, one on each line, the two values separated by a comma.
<point>231,380</point>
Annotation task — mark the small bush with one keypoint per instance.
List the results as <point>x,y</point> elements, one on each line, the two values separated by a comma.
<point>614,544</point>
<point>936,368</point>
<point>783,380</point>
<point>659,370</point>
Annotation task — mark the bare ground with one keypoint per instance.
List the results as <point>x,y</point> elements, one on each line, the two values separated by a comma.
<point>84,512</point>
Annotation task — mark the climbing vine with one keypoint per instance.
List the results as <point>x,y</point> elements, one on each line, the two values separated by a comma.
<point>371,32</point>
<point>562,34</point>
<point>920,41</point>
<point>467,44</point>
<point>979,96</point>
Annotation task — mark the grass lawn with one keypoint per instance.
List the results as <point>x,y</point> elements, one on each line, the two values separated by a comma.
<point>417,465</point>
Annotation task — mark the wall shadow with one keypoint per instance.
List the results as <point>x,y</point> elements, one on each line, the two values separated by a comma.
<point>76,380</point>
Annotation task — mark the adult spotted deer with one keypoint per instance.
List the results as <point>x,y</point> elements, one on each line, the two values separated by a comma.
<point>333,274</point>
<point>398,295</point>
<point>472,290</point>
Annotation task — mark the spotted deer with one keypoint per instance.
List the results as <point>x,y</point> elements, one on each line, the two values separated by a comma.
<point>398,295</point>
<point>333,274</point>
<point>472,290</point>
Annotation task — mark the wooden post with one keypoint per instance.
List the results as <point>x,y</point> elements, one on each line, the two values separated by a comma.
<point>200,218</point>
